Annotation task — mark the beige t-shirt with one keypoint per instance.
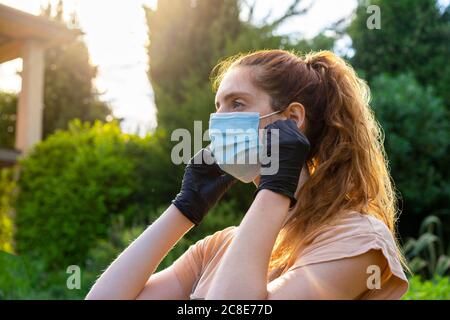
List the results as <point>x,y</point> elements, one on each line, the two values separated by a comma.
<point>353,235</point>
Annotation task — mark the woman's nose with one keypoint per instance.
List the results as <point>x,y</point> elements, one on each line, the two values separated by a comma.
<point>221,109</point>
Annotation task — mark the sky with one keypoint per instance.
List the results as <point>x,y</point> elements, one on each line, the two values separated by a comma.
<point>119,49</point>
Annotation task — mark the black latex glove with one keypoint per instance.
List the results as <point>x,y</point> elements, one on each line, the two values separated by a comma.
<point>203,185</point>
<point>293,150</point>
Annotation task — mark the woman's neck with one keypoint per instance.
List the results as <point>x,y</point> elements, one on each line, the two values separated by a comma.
<point>304,175</point>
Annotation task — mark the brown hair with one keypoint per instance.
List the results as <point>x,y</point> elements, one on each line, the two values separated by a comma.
<point>347,161</point>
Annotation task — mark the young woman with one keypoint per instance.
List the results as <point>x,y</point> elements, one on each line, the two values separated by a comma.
<point>322,227</point>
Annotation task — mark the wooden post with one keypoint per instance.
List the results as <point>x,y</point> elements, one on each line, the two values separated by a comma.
<point>30,104</point>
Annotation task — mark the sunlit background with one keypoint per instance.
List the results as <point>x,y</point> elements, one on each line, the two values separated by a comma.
<point>117,40</point>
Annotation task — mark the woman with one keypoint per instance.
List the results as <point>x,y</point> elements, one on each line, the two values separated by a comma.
<point>322,227</point>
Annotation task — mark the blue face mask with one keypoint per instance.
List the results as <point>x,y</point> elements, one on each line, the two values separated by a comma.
<point>235,143</point>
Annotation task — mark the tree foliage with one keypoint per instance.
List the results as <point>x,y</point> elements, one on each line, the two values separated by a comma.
<point>69,91</point>
<point>414,38</point>
<point>417,138</point>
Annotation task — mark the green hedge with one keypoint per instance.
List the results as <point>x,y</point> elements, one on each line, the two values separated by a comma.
<point>7,186</point>
<point>74,183</point>
<point>436,289</point>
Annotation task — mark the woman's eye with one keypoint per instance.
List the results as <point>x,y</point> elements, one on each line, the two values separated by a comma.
<point>237,104</point>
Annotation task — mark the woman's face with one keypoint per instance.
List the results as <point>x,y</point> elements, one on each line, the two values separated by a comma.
<point>237,93</point>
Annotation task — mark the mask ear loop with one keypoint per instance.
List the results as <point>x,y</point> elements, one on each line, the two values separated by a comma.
<point>270,114</point>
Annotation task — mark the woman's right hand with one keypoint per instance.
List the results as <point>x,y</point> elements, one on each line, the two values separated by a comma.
<point>204,183</point>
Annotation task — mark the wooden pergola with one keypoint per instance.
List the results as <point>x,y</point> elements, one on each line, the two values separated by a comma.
<point>26,36</point>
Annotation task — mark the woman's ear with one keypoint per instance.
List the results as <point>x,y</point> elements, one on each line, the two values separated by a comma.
<point>296,112</point>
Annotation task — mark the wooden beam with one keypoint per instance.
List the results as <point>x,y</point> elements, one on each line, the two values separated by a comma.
<point>20,25</point>
<point>10,50</point>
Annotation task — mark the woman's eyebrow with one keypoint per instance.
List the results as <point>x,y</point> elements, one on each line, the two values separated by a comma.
<point>234,94</point>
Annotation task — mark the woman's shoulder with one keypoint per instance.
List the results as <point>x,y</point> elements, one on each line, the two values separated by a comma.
<point>354,225</point>
<point>352,234</point>
<point>355,234</point>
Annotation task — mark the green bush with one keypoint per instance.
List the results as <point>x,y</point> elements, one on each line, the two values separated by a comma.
<point>24,278</point>
<point>74,183</point>
<point>416,126</point>
<point>436,289</point>
<point>7,186</point>
<point>14,277</point>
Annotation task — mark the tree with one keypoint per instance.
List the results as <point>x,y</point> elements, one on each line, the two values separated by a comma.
<point>184,40</point>
<point>69,90</point>
<point>188,38</point>
<point>406,64</point>
<point>414,37</point>
<point>417,138</point>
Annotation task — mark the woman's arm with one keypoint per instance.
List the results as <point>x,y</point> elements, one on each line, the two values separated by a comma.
<point>128,274</point>
<point>242,274</point>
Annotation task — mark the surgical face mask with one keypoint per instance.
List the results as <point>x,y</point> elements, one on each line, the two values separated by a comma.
<point>235,143</point>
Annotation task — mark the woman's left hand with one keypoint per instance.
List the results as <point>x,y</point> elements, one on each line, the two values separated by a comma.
<point>293,147</point>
